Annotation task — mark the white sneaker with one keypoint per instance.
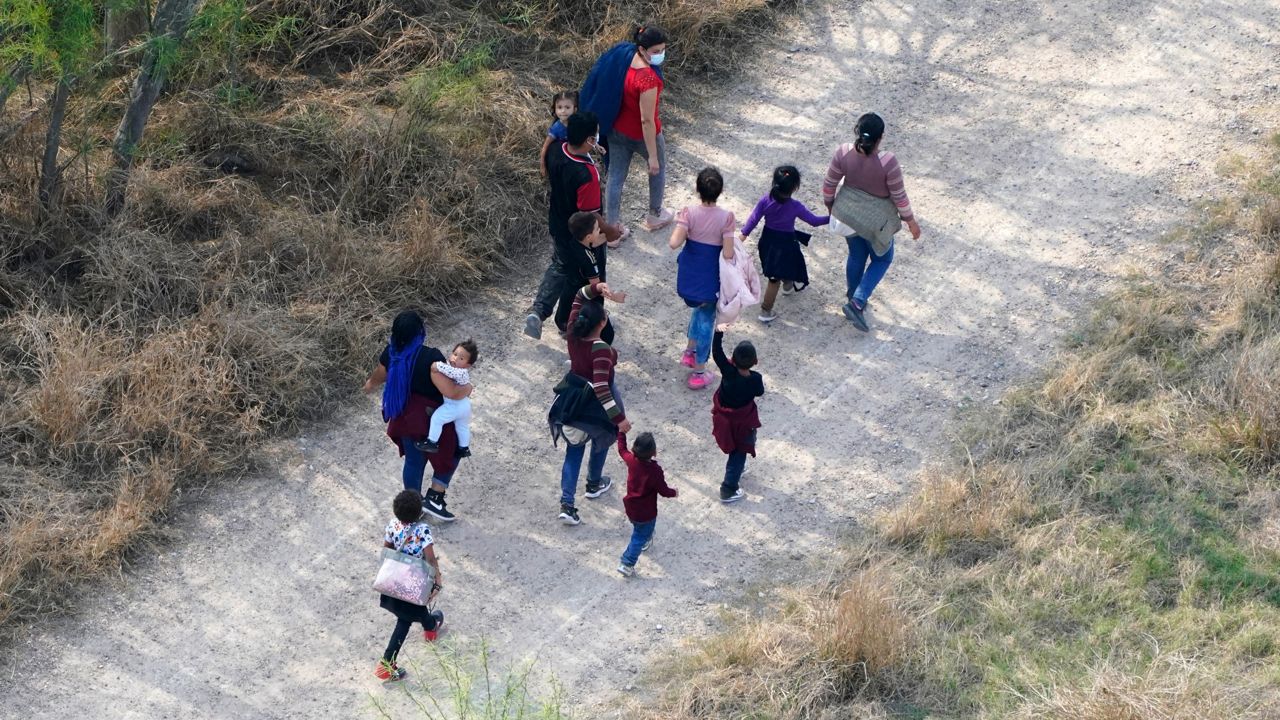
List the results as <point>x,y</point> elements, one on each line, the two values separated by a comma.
<point>767,316</point>
<point>626,570</point>
<point>735,497</point>
<point>533,326</point>
<point>788,288</point>
<point>647,546</point>
<point>659,221</point>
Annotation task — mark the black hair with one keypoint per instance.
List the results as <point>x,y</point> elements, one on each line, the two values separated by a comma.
<point>563,95</point>
<point>710,184</point>
<point>589,316</point>
<point>582,125</point>
<point>646,36</point>
<point>473,351</point>
<point>744,355</point>
<point>870,129</point>
<point>407,506</point>
<point>406,326</point>
<point>786,178</point>
<point>581,224</point>
<point>645,447</point>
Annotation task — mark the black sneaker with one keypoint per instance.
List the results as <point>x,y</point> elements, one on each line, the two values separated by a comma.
<point>854,314</point>
<point>462,452</point>
<point>735,496</point>
<point>533,326</point>
<point>436,508</point>
<point>427,446</point>
<point>569,515</point>
<point>596,490</point>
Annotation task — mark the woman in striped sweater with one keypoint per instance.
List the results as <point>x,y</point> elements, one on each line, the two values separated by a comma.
<point>591,358</point>
<point>860,164</point>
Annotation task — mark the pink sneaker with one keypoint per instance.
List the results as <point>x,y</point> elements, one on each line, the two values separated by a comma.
<point>653,223</point>
<point>699,380</point>
<point>688,359</point>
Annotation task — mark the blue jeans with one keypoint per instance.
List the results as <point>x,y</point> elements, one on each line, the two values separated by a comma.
<point>415,467</point>
<point>641,533</point>
<point>621,150</point>
<point>860,277</point>
<point>733,468</point>
<point>702,326</point>
<point>572,466</point>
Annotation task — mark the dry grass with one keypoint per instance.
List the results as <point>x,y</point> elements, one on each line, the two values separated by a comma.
<point>1106,548</point>
<point>819,649</point>
<point>314,167</point>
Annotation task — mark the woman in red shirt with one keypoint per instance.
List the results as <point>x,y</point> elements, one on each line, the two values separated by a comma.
<point>638,131</point>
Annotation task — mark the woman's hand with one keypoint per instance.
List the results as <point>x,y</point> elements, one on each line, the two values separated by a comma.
<point>376,378</point>
<point>654,167</point>
<point>914,227</point>
<point>624,426</point>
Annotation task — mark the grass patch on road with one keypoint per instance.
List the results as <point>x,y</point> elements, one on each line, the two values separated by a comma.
<point>1106,546</point>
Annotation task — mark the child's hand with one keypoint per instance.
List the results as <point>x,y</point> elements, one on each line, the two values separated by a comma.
<point>603,150</point>
<point>722,327</point>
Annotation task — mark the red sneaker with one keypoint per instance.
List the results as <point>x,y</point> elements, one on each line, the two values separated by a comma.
<point>699,380</point>
<point>688,359</point>
<point>389,672</point>
<point>431,635</point>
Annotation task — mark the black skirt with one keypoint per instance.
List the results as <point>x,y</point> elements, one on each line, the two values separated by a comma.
<point>781,257</point>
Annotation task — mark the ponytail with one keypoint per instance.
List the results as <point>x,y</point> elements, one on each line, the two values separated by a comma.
<point>870,129</point>
<point>589,316</point>
<point>786,179</point>
<point>646,36</point>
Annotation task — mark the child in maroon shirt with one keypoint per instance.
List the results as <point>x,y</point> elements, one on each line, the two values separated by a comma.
<point>645,483</point>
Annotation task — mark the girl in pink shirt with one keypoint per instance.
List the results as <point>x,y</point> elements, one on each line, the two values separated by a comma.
<point>709,232</point>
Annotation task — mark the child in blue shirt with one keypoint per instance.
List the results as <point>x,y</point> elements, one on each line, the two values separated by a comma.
<point>564,104</point>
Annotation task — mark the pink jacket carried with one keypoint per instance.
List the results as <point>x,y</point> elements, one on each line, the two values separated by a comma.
<point>740,286</point>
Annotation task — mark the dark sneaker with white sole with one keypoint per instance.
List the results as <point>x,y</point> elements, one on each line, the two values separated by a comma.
<point>533,326</point>
<point>436,507</point>
<point>735,497</point>
<point>595,490</point>
<point>569,515</point>
<point>854,314</point>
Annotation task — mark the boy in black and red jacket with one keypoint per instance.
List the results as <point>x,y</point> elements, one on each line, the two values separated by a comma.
<point>645,482</point>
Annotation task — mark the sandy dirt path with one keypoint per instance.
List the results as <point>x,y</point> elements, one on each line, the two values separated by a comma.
<point>1045,144</point>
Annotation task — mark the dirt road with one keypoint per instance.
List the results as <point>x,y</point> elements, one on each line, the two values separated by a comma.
<point>1046,144</point>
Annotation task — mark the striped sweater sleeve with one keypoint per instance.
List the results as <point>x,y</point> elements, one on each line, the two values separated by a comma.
<point>601,369</point>
<point>835,173</point>
<point>897,188</point>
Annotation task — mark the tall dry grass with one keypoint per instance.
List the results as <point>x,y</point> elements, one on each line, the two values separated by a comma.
<point>314,167</point>
<point>1106,547</point>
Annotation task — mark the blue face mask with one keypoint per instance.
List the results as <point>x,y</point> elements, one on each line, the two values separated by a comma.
<point>657,58</point>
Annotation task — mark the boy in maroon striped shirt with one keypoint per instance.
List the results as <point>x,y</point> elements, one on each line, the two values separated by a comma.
<point>645,482</point>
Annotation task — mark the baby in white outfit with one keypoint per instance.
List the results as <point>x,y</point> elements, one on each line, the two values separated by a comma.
<point>458,412</point>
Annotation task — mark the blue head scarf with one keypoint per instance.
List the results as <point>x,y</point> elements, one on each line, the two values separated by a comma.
<point>395,394</point>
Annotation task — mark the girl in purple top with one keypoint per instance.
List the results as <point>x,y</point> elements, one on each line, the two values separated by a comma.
<point>780,242</point>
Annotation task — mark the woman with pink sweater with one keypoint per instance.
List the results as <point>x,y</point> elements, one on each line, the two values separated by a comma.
<point>861,165</point>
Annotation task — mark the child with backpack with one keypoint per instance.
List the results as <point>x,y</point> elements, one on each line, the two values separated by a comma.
<point>645,482</point>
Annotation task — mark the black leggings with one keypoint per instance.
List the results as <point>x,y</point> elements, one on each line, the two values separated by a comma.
<point>402,631</point>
